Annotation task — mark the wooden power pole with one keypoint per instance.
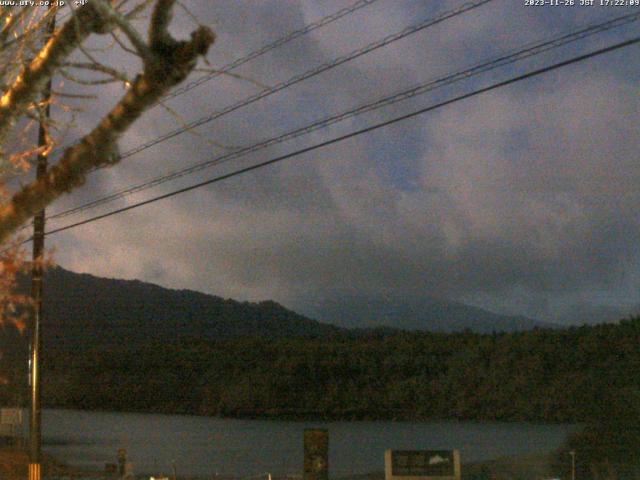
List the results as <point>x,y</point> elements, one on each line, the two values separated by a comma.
<point>35,422</point>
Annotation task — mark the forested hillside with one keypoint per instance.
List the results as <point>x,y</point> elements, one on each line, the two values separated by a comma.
<point>541,375</point>
<point>86,311</point>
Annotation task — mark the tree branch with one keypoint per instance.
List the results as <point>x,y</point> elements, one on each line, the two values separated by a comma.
<point>168,64</point>
<point>32,80</point>
<point>132,34</point>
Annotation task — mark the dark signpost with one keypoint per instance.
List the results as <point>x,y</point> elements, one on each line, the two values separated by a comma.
<point>122,460</point>
<point>422,464</point>
<point>316,454</point>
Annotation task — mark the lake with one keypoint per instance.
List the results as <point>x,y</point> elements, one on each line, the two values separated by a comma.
<point>207,446</point>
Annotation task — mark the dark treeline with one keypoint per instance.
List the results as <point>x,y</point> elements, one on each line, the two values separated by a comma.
<point>608,447</point>
<point>541,375</point>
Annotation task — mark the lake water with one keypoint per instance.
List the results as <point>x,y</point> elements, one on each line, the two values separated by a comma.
<point>206,446</point>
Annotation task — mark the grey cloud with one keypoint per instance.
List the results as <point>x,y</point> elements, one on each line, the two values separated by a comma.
<point>521,198</point>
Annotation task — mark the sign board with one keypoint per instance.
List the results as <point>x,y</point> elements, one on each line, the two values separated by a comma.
<point>11,416</point>
<point>422,464</point>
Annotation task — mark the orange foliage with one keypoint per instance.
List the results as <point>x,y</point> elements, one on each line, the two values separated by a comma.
<point>12,263</point>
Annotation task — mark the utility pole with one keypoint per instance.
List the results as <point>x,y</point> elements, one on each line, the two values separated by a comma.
<point>573,464</point>
<point>35,421</point>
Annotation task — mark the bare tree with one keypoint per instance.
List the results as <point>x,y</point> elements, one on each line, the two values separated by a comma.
<point>29,58</point>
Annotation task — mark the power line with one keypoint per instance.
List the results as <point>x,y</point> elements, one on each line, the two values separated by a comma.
<point>261,51</point>
<point>311,73</point>
<point>522,53</point>
<point>303,76</point>
<point>271,46</point>
<point>341,138</point>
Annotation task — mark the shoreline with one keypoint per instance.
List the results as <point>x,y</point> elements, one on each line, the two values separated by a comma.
<point>535,466</point>
<point>14,463</point>
<point>280,417</point>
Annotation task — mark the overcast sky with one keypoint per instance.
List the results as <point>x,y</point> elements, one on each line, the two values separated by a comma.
<point>522,200</point>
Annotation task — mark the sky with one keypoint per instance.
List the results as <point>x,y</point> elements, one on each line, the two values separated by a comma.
<point>522,200</point>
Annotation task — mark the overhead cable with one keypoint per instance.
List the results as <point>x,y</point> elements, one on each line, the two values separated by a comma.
<point>311,73</point>
<point>341,138</point>
<point>518,55</point>
<point>271,46</point>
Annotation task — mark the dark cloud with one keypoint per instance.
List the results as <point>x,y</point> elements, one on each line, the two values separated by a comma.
<point>522,200</point>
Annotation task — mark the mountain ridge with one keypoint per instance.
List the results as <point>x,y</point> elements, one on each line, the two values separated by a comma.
<point>86,305</point>
<point>426,313</point>
<point>82,309</point>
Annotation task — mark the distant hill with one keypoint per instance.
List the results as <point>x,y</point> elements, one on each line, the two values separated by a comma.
<point>590,314</point>
<point>83,310</point>
<point>128,346</point>
<point>427,313</point>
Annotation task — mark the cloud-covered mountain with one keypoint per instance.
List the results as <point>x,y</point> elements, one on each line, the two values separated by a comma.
<point>82,309</point>
<point>426,313</point>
